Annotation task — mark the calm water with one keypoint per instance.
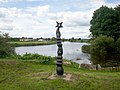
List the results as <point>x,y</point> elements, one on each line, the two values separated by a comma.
<point>71,51</point>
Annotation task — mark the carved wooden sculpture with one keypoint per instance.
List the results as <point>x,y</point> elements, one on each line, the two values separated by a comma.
<point>59,69</point>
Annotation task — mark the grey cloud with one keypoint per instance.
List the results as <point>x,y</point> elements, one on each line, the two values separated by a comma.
<point>7,20</point>
<point>72,23</point>
<point>38,20</point>
<point>2,15</point>
<point>54,18</point>
<point>77,23</point>
<point>8,28</point>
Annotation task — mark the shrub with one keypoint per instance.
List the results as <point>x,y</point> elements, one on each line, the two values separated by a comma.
<point>86,48</point>
<point>74,64</point>
<point>40,58</point>
<point>5,48</point>
<point>101,49</point>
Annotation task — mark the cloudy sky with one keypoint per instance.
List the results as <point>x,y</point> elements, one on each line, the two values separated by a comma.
<point>37,18</point>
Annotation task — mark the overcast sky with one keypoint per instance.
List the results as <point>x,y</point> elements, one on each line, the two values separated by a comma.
<point>37,18</point>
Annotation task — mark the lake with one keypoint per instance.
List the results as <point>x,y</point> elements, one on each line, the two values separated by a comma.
<point>71,51</point>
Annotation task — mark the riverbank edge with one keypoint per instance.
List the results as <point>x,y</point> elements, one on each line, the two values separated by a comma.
<point>19,44</point>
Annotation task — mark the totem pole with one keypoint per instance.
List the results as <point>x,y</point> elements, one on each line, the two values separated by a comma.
<point>59,69</point>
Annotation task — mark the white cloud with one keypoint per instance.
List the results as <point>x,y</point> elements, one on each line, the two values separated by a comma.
<point>39,10</point>
<point>6,1</point>
<point>75,19</point>
<point>34,0</point>
<point>9,12</point>
<point>40,21</point>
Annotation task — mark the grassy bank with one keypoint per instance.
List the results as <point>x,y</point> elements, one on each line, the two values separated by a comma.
<point>32,43</point>
<point>31,75</point>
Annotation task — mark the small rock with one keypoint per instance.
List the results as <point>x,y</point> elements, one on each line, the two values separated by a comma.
<point>98,67</point>
<point>87,66</point>
<point>66,62</point>
<point>78,58</point>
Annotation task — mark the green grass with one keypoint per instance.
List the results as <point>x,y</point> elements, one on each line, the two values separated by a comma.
<point>30,75</point>
<point>32,43</point>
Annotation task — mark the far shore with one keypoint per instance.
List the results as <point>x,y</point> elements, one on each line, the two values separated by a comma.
<point>31,43</point>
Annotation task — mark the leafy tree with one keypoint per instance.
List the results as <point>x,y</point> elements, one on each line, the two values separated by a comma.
<point>53,38</point>
<point>104,22</point>
<point>117,10</point>
<point>6,35</point>
<point>5,48</point>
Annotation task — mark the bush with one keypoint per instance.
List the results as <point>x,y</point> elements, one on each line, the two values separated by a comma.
<point>103,50</point>
<point>100,49</point>
<point>5,48</point>
<point>86,48</point>
<point>40,58</point>
<point>74,65</point>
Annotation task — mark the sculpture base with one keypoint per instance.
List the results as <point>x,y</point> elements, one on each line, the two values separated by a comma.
<point>64,76</point>
<point>60,70</point>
